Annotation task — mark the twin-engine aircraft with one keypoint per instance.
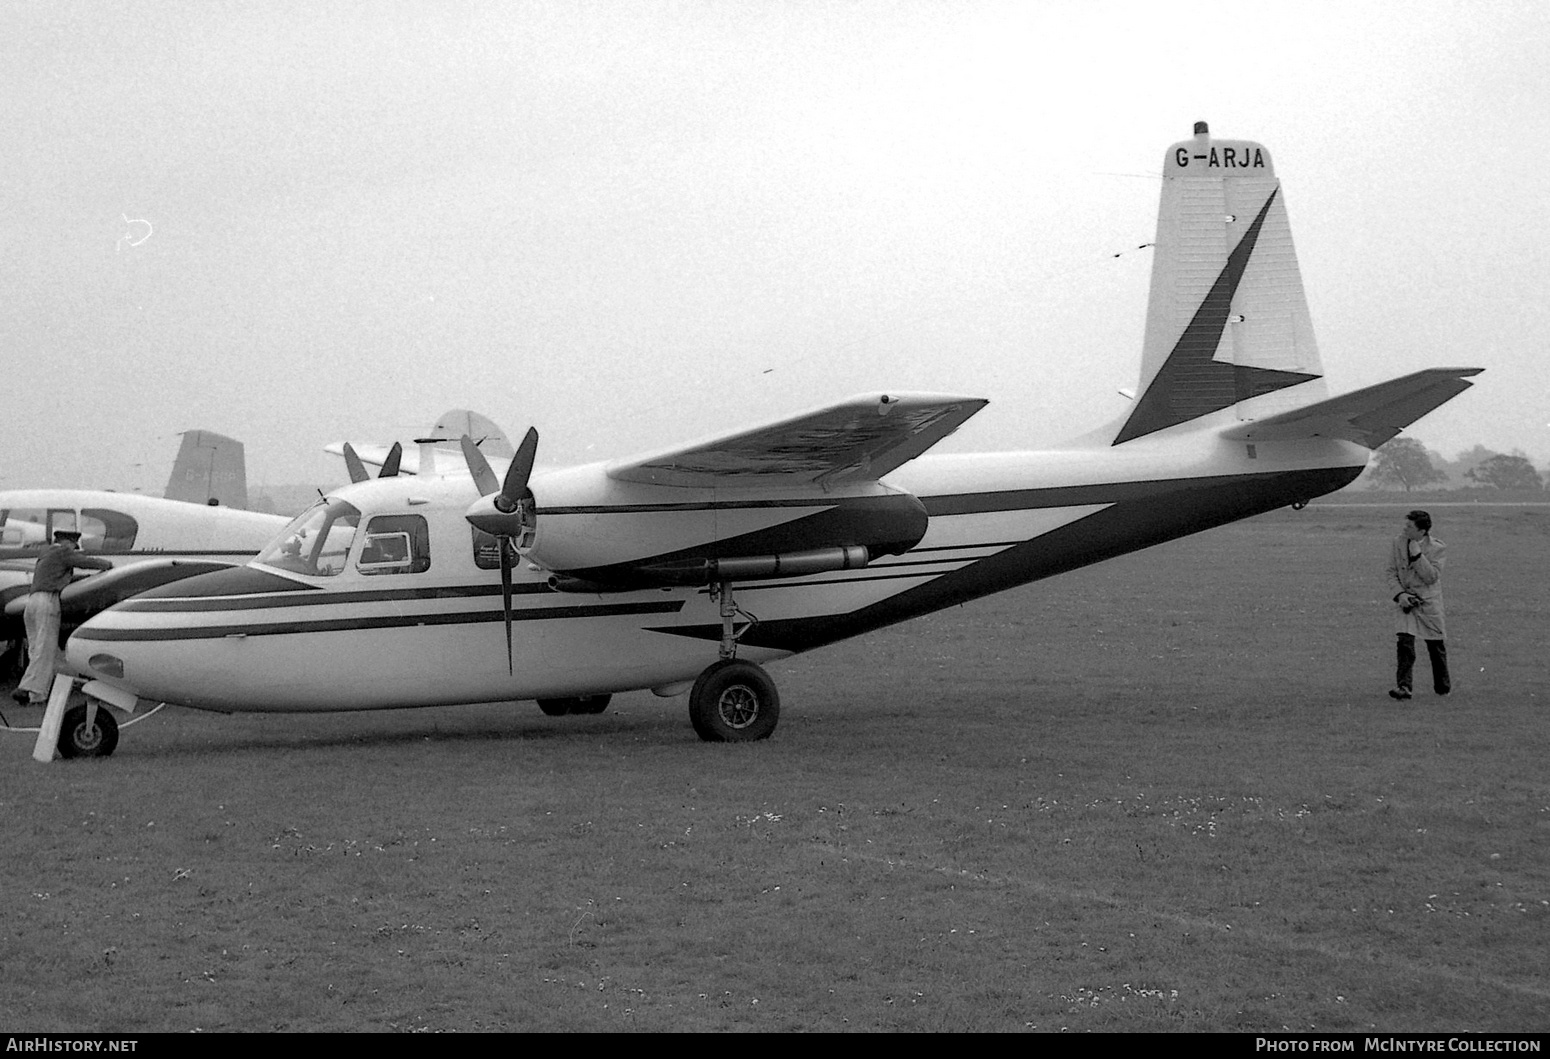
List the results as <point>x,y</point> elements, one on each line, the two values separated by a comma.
<point>690,568</point>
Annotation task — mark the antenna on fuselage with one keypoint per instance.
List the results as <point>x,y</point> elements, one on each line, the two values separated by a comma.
<point>428,465</point>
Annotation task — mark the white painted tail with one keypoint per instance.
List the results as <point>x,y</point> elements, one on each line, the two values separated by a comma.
<point>1227,323</point>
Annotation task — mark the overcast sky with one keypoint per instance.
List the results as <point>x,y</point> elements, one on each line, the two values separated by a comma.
<point>634,223</point>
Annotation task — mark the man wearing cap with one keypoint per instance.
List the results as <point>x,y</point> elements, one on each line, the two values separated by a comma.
<point>1414,573</point>
<point>49,578</point>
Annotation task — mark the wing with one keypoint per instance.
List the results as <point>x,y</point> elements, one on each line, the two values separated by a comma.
<point>858,439</point>
<point>1368,417</point>
<point>84,597</point>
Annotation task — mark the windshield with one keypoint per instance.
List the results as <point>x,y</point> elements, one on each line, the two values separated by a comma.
<point>317,540</point>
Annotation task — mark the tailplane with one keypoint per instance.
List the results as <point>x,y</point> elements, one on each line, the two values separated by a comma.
<point>210,469</point>
<point>1227,322</point>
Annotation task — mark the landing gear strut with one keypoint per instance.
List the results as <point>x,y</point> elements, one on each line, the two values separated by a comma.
<point>733,701</point>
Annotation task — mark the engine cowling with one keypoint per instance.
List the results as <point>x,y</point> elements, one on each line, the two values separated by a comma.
<point>591,528</point>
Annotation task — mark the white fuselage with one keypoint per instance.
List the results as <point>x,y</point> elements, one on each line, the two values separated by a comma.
<point>285,641</point>
<point>127,527</point>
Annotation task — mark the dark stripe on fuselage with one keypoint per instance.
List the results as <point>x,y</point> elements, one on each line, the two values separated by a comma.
<point>326,598</point>
<point>1150,513</point>
<point>386,621</point>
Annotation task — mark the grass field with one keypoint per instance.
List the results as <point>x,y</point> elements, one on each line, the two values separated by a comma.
<point>1166,792</point>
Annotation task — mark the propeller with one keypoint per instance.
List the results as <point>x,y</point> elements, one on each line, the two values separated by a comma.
<point>505,509</point>
<point>390,465</point>
<point>357,469</point>
<point>353,464</point>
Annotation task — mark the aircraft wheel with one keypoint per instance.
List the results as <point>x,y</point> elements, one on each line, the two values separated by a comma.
<point>13,662</point>
<point>734,702</point>
<point>78,740</point>
<point>555,707</point>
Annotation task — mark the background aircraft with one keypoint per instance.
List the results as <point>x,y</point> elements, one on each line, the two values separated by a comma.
<point>686,569</point>
<point>442,439</point>
<point>198,525</point>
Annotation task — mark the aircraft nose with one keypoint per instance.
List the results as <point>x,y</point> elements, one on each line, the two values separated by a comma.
<point>97,660</point>
<point>172,643</point>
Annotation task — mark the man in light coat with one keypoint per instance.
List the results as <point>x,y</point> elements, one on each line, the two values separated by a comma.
<point>1415,581</point>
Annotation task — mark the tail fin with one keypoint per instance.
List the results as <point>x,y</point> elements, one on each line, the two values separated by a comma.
<point>490,438</point>
<point>210,468</point>
<point>1227,323</point>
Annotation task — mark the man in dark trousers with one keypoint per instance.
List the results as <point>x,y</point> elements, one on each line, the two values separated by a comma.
<point>1415,581</point>
<point>49,577</point>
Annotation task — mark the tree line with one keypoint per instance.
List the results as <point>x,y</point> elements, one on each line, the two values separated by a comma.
<point>1405,463</point>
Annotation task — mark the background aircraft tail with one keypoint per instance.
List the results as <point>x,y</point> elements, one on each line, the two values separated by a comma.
<point>209,466</point>
<point>1227,322</point>
<point>490,438</point>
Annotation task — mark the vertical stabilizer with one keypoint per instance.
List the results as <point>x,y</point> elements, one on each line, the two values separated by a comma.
<point>1227,323</point>
<point>209,467</point>
<point>490,438</point>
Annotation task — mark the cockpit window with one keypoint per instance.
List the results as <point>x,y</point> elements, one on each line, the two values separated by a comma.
<point>316,542</point>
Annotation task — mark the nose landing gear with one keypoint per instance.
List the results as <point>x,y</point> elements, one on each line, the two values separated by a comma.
<point>88,730</point>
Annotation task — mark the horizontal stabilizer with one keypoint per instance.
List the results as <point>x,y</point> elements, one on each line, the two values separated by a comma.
<point>858,439</point>
<point>1368,417</point>
<point>444,435</point>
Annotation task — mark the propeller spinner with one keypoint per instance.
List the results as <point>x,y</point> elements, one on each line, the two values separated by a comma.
<point>505,510</point>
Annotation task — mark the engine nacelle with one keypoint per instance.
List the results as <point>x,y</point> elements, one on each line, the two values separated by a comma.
<point>720,571</point>
<point>592,528</point>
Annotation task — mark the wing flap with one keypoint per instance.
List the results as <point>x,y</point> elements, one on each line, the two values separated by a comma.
<point>1369,416</point>
<point>858,439</point>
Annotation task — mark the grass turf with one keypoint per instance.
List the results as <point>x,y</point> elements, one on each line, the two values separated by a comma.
<point>1165,792</point>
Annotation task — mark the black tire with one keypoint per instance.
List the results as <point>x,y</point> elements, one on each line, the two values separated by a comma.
<point>13,662</point>
<point>77,740</point>
<point>734,702</point>
<point>580,704</point>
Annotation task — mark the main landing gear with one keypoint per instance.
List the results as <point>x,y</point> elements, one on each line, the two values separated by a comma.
<point>733,701</point>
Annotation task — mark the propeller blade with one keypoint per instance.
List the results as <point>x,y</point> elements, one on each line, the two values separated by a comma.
<point>514,489</point>
<point>390,465</point>
<point>505,546</point>
<point>353,464</point>
<point>484,478</point>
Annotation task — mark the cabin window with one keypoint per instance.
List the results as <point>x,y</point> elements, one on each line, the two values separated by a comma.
<point>34,527</point>
<point>22,527</point>
<point>316,542</point>
<point>395,544</point>
<point>107,531</point>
